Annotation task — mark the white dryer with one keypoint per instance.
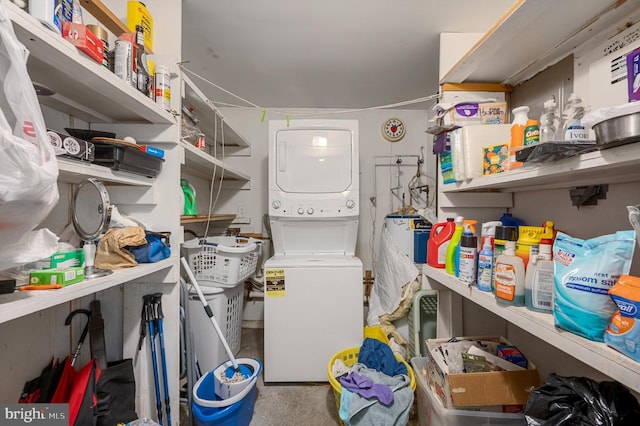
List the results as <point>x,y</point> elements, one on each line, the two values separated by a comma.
<point>313,284</point>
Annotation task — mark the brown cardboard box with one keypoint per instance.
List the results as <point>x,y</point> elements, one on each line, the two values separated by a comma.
<point>478,389</point>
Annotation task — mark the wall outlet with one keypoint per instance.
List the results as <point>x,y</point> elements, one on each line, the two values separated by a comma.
<point>242,211</point>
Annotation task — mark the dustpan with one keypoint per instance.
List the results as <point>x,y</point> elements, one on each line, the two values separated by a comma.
<point>231,388</point>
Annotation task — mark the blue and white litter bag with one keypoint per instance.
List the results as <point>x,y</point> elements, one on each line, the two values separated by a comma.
<point>584,271</point>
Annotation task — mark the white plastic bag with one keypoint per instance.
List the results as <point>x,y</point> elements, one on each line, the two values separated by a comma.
<point>28,166</point>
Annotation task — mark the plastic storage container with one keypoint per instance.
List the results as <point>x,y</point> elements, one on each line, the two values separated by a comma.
<point>222,261</point>
<point>432,413</point>
<point>441,234</point>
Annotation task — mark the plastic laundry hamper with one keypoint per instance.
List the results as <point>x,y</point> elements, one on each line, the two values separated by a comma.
<point>422,317</point>
<point>350,357</point>
<point>226,305</point>
<point>222,261</point>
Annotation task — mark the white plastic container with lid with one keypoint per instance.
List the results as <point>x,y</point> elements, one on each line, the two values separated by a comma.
<point>572,128</point>
<point>509,276</point>
<point>163,87</point>
<point>538,285</point>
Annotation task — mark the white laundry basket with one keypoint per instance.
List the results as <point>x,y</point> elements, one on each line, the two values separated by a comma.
<point>222,261</point>
<point>226,305</point>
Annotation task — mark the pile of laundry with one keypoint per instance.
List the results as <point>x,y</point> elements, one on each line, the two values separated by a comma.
<point>376,390</point>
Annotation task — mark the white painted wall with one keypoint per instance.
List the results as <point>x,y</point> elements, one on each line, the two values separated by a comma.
<point>372,144</point>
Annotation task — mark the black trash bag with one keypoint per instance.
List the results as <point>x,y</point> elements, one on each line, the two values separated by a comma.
<point>569,401</point>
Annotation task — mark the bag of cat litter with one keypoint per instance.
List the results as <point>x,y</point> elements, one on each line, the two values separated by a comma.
<point>623,333</point>
<point>584,271</point>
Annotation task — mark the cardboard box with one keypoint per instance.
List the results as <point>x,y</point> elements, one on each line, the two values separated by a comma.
<point>633,75</point>
<point>495,159</point>
<point>57,276</point>
<point>478,389</point>
<point>86,41</point>
<point>66,259</point>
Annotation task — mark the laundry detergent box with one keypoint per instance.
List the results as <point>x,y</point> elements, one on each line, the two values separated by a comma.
<point>633,75</point>
<point>57,276</point>
<point>457,390</point>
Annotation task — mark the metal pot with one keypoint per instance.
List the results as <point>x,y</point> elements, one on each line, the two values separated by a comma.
<point>618,131</point>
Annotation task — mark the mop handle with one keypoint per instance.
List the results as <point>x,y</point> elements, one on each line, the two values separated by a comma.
<point>209,312</point>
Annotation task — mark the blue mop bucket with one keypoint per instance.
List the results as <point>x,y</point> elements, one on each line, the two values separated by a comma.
<point>236,414</point>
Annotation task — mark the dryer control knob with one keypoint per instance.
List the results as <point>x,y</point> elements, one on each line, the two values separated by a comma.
<point>310,210</point>
<point>300,210</point>
<point>351,204</point>
<point>276,204</point>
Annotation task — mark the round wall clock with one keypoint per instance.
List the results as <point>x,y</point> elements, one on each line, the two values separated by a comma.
<point>393,129</point>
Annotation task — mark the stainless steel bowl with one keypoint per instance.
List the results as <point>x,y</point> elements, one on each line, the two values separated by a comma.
<point>618,131</point>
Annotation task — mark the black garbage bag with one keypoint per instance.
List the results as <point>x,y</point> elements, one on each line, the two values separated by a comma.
<point>570,401</point>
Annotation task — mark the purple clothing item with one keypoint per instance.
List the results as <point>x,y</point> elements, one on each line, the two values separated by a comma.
<point>365,387</point>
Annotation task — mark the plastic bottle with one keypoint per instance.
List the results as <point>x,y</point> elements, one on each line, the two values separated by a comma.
<point>510,277</point>
<point>468,230</point>
<point>538,283</point>
<point>531,133</point>
<point>441,234</point>
<point>503,234</point>
<point>450,260</point>
<point>572,128</point>
<point>520,117</point>
<point>485,266</point>
<point>488,232</point>
<point>549,121</point>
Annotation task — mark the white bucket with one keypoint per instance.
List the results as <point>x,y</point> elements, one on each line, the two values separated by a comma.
<point>401,228</point>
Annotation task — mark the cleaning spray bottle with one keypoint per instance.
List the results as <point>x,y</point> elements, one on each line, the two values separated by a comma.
<point>538,284</point>
<point>485,265</point>
<point>467,256</point>
<point>468,230</point>
<point>510,277</point>
<point>488,232</point>
<point>450,259</point>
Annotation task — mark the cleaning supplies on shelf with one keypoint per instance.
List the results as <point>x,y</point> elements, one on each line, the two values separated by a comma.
<point>549,121</point>
<point>507,219</point>
<point>485,265</point>
<point>488,232</point>
<point>510,277</point>
<point>531,133</point>
<point>572,128</point>
<point>538,283</point>
<point>450,259</point>
<point>520,118</point>
<point>438,243</point>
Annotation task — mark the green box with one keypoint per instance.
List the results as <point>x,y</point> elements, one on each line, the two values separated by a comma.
<point>57,276</point>
<point>68,259</point>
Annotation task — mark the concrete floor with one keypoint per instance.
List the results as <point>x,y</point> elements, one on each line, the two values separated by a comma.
<point>310,404</point>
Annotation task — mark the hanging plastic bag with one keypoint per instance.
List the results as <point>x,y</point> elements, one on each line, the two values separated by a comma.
<point>28,166</point>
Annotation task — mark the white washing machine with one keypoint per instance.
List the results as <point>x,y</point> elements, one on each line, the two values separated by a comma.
<point>313,309</point>
<point>313,283</point>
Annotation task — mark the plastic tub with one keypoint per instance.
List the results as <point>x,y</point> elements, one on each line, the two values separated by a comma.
<point>432,413</point>
<point>238,414</point>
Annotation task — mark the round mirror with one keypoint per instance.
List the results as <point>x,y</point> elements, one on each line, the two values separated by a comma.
<point>91,209</point>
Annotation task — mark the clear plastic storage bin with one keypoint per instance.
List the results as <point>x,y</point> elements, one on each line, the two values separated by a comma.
<point>432,413</point>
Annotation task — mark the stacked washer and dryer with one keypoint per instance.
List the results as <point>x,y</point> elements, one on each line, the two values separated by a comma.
<point>313,304</point>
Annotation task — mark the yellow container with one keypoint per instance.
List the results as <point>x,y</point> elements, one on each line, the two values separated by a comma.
<point>138,14</point>
<point>350,357</point>
<point>529,239</point>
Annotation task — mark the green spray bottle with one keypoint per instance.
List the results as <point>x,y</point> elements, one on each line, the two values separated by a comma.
<point>450,259</point>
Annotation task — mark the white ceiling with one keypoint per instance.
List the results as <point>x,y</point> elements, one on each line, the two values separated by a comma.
<point>324,53</point>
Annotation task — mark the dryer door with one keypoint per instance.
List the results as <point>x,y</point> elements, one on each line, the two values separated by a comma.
<point>314,161</point>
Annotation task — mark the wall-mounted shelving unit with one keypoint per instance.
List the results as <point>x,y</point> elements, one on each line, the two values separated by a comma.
<point>205,218</point>
<point>599,355</point>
